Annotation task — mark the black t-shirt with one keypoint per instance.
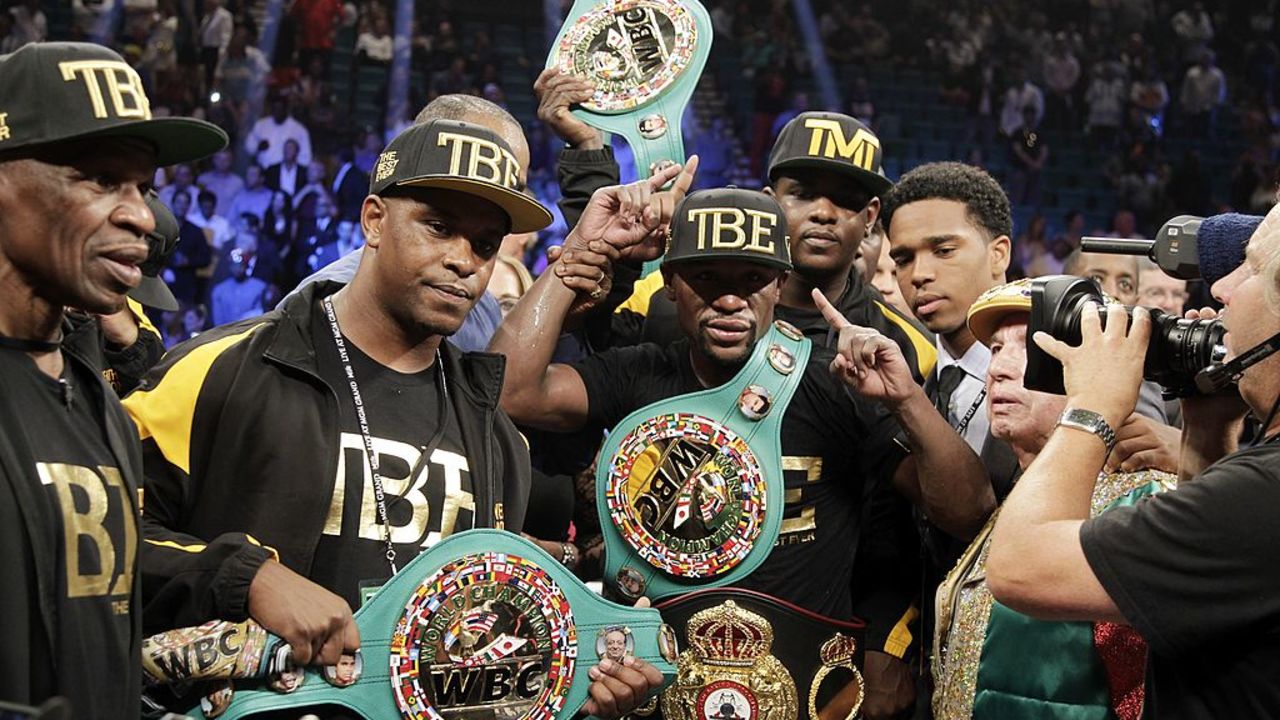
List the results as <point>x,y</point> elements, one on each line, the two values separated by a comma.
<point>835,448</point>
<point>94,531</point>
<point>404,412</point>
<point>1195,571</point>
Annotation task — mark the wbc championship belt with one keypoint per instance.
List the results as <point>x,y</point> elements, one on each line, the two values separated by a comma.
<point>749,656</point>
<point>645,58</point>
<point>690,489</point>
<point>482,626</point>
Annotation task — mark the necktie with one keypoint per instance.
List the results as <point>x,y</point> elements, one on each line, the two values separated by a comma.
<point>948,380</point>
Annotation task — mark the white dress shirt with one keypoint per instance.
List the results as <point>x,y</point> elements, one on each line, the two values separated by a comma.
<point>974,363</point>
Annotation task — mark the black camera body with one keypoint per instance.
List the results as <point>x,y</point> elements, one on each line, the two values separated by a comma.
<point>1177,351</point>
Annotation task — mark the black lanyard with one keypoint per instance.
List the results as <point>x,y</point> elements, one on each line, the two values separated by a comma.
<point>378,492</point>
<point>973,408</point>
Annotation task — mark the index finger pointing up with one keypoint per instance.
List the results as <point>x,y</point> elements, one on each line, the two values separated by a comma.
<point>829,311</point>
<point>684,180</point>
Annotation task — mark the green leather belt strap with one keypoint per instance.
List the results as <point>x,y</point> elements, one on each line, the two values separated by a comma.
<point>482,625</point>
<point>690,489</point>
<point>645,57</point>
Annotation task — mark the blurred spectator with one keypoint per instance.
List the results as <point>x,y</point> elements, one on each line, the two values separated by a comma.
<point>181,180</point>
<point>239,296</point>
<point>1204,88</point>
<point>222,182</point>
<point>191,256</point>
<point>278,227</point>
<point>454,79</point>
<point>350,186</point>
<point>316,242</point>
<point>1064,243</point>
<point>871,40</point>
<point>29,23</point>
<point>368,147</point>
<point>288,174</point>
<point>1032,253</point>
<point>216,228</point>
<point>1124,224</point>
<point>1106,99</point>
<point>265,142</point>
<point>1194,29</point>
<point>1190,189</point>
<point>860,103</point>
<point>187,323</point>
<point>1061,73</point>
<point>255,198</point>
<point>304,200</point>
<point>1150,96</point>
<point>1030,153</point>
<point>317,24</point>
<point>215,35</point>
<point>9,40</point>
<point>374,45</point>
<point>241,75</point>
<point>1021,94</point>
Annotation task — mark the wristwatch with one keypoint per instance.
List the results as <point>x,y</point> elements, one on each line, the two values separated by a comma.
<point>1090,422</point>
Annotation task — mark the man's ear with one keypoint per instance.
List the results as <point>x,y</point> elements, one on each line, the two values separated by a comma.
<point>998,256</point>
<point>768,190</point>
<point>372,214</point>
<point>873,212</point>
<point>668,282</point>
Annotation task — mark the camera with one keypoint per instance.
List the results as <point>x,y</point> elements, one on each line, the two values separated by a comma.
<point>1176,352</point>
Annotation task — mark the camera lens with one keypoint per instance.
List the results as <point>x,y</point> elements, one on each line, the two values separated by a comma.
<point>1177,350</point>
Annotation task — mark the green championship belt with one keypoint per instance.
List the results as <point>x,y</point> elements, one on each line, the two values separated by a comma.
<point>690,489</point>
<point>482,626</point>
<point>645,58</point>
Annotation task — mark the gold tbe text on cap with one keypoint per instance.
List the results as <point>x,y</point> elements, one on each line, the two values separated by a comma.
<point>4,126</point>
<point>480,159</point>
<point>122,83</point>
<point>828,140</point>
<point>733,228</point>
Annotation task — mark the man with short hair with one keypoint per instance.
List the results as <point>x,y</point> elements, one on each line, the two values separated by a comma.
<point>265,141</point>
<point>75,164</point>
<point>843,446</point>
<point>433,438</point>
<point>255,198</point>
<point>1158,289</point>
<point>222,182</point>
<point>1193,571</point>
<point>288,174</point>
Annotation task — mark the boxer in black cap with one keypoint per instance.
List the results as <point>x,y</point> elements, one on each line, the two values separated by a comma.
<point>78,148</point>
<point>263,432</point>
<point>727,262</point>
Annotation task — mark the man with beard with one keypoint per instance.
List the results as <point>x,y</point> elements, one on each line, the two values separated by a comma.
<point>724,300</point>
<point>78,150</point>
<point>347,408</point>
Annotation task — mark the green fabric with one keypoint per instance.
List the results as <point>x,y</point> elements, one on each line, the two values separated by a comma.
<point>1044,670</point>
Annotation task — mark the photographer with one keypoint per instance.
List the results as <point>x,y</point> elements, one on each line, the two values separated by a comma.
<point>1192,570</point>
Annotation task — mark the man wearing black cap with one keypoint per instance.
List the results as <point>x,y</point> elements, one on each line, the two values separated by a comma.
<point>124,345</point>
<point>78,148</point>
<point>725,268</point>
<point>340,429</point>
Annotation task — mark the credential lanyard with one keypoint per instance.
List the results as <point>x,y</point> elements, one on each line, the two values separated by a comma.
<point>973,410</point>
<point>378,493</point>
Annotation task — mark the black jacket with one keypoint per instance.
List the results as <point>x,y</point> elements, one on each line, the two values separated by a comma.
<point>240,438</point>
<point>30,671</point>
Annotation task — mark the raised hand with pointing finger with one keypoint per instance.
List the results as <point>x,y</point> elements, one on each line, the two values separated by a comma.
<point>871,364</point>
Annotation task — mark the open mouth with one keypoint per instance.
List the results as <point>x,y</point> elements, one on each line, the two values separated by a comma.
<point>123,264</point>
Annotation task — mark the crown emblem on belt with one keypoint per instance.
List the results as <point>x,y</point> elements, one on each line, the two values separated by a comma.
<point>729,635</point>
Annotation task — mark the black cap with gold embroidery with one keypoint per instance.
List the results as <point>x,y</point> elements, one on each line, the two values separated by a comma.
<point>460,156</point>
<point>731,224</point>
<point>50,92</point>
<point>830,141</point>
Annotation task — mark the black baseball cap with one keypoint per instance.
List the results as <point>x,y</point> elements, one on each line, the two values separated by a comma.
<point>731,224</point>
<point>161,242</point>
<point>834,142</point>
<point>460,156</point>
<point>51,92</point>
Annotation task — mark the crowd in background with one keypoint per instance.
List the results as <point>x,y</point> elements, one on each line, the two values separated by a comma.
<point>1118,76</point>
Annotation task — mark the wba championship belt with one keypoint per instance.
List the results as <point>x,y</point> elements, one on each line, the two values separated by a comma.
<point>482,626</point>
<point>749,656</point>
<point>690,489</point>
<point>645,58</point>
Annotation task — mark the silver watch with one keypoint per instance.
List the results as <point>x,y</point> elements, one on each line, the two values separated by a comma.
<point>1090,422</point>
